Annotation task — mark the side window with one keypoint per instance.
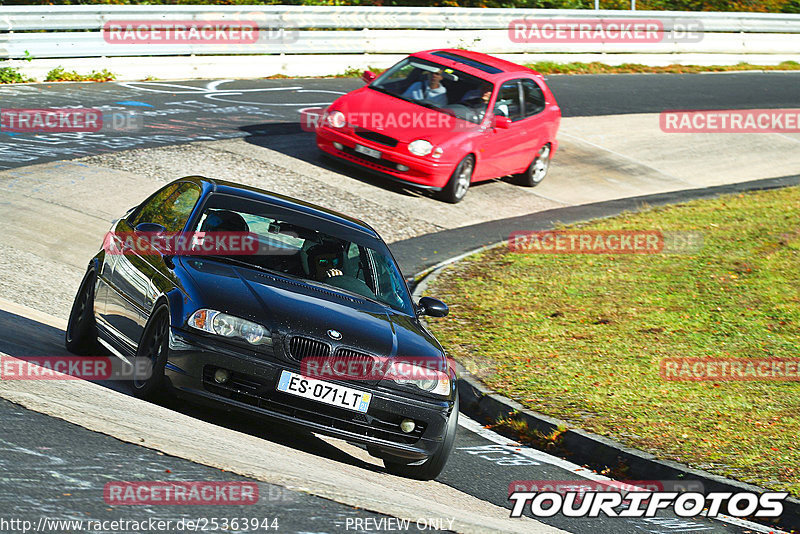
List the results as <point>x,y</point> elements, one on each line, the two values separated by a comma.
<point>508,104</point>
<point>534,97</point>
<point>170,208</point>
<point>147,211</point>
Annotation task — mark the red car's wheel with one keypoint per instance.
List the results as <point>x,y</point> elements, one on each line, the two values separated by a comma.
<point>537,170</point>
<point>459,181</point>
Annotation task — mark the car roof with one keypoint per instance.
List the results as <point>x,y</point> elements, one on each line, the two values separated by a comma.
<point>254,193</point>
<point>506,68</point>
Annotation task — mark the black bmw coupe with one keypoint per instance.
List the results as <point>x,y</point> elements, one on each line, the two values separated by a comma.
<point>236,323</point>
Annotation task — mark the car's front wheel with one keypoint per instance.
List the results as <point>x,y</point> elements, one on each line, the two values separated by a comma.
<point>430,468</point>
<point>457,186</point>
<point>151,356</point>
<point>81,334</point>
<point>537,170</point>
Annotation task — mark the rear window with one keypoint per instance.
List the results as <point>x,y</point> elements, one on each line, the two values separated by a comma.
<point>475,64</point>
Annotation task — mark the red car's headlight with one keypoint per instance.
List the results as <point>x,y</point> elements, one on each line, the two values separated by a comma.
<point>420,147</point>
<point>336,119</point>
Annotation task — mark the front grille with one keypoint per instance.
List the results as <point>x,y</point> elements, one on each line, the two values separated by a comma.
<point>377,137</point>
<point>261,393</point>
<point>304,347</point>
<point>356,365</point>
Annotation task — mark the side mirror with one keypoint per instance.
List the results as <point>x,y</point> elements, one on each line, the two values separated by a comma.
<point>368,76</point>
<point>502,122</point>
<point>433,307</point>
<point>149,228</point>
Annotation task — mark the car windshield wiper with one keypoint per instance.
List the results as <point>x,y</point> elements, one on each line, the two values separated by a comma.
<point>426,104</point>
<point>251,266</point>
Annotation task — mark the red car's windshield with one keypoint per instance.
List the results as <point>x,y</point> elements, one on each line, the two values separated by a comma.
<point>437,87</point>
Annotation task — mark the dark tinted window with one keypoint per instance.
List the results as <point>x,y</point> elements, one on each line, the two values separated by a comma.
<point>534,97</point>
<point>433,86</point>
<point>308,248</point>
<point>508,104</point>
<point>170,207</point>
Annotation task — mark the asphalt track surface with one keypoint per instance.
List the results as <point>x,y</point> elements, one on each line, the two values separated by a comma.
<point>55,469</point>
<point>166,113</point>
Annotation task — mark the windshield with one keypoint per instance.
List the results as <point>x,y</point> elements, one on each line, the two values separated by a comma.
<point>438,87</point>
<point>309,248</point>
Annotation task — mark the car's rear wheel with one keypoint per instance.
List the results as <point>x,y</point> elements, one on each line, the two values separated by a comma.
<point>434,465</point>
<point>152,350</point>
<point>457,186</point>
<point>81,335</point>
<point>537,170</point>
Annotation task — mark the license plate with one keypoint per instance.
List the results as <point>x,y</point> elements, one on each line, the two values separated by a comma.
<point>368,151</point>
<point>327,393</point>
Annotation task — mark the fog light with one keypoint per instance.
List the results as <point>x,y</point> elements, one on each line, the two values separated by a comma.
<point>221,376</point>
<point>407,426</point>
<point>401,167</point>
<point>338,146</point>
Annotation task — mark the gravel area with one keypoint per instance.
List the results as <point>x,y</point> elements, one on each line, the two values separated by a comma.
<point>213,160</point>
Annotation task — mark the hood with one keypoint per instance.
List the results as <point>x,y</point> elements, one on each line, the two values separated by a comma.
<point>405,121</point>
<point>289,307</point>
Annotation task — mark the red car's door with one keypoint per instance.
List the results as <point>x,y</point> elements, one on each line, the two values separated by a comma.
<point>534,124</point>
<point>503,150</point>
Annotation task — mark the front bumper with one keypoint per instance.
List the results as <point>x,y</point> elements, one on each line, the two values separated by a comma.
<point>422,172</point>
<point>193,360</point>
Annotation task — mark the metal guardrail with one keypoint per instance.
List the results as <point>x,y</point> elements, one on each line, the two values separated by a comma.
<point>75,31</point>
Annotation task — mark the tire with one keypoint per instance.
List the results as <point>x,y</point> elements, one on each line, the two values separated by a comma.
<point>81,335</point>
<point>458,184</point>
<point>154,347</point>
<point>434,465</point>
<point>537,170</point>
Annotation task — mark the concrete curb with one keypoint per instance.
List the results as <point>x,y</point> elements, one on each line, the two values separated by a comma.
<point>585,448</point>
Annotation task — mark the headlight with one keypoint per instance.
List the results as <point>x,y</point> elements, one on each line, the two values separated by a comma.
<point>420,147</point>
<point>336,119</point>
<point>426,379</point>
<point>225,325</point>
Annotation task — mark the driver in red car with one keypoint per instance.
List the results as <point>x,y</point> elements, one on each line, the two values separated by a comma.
<point>430,90</point>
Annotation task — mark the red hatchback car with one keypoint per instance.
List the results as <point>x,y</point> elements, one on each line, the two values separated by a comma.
<point>443,119</point>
